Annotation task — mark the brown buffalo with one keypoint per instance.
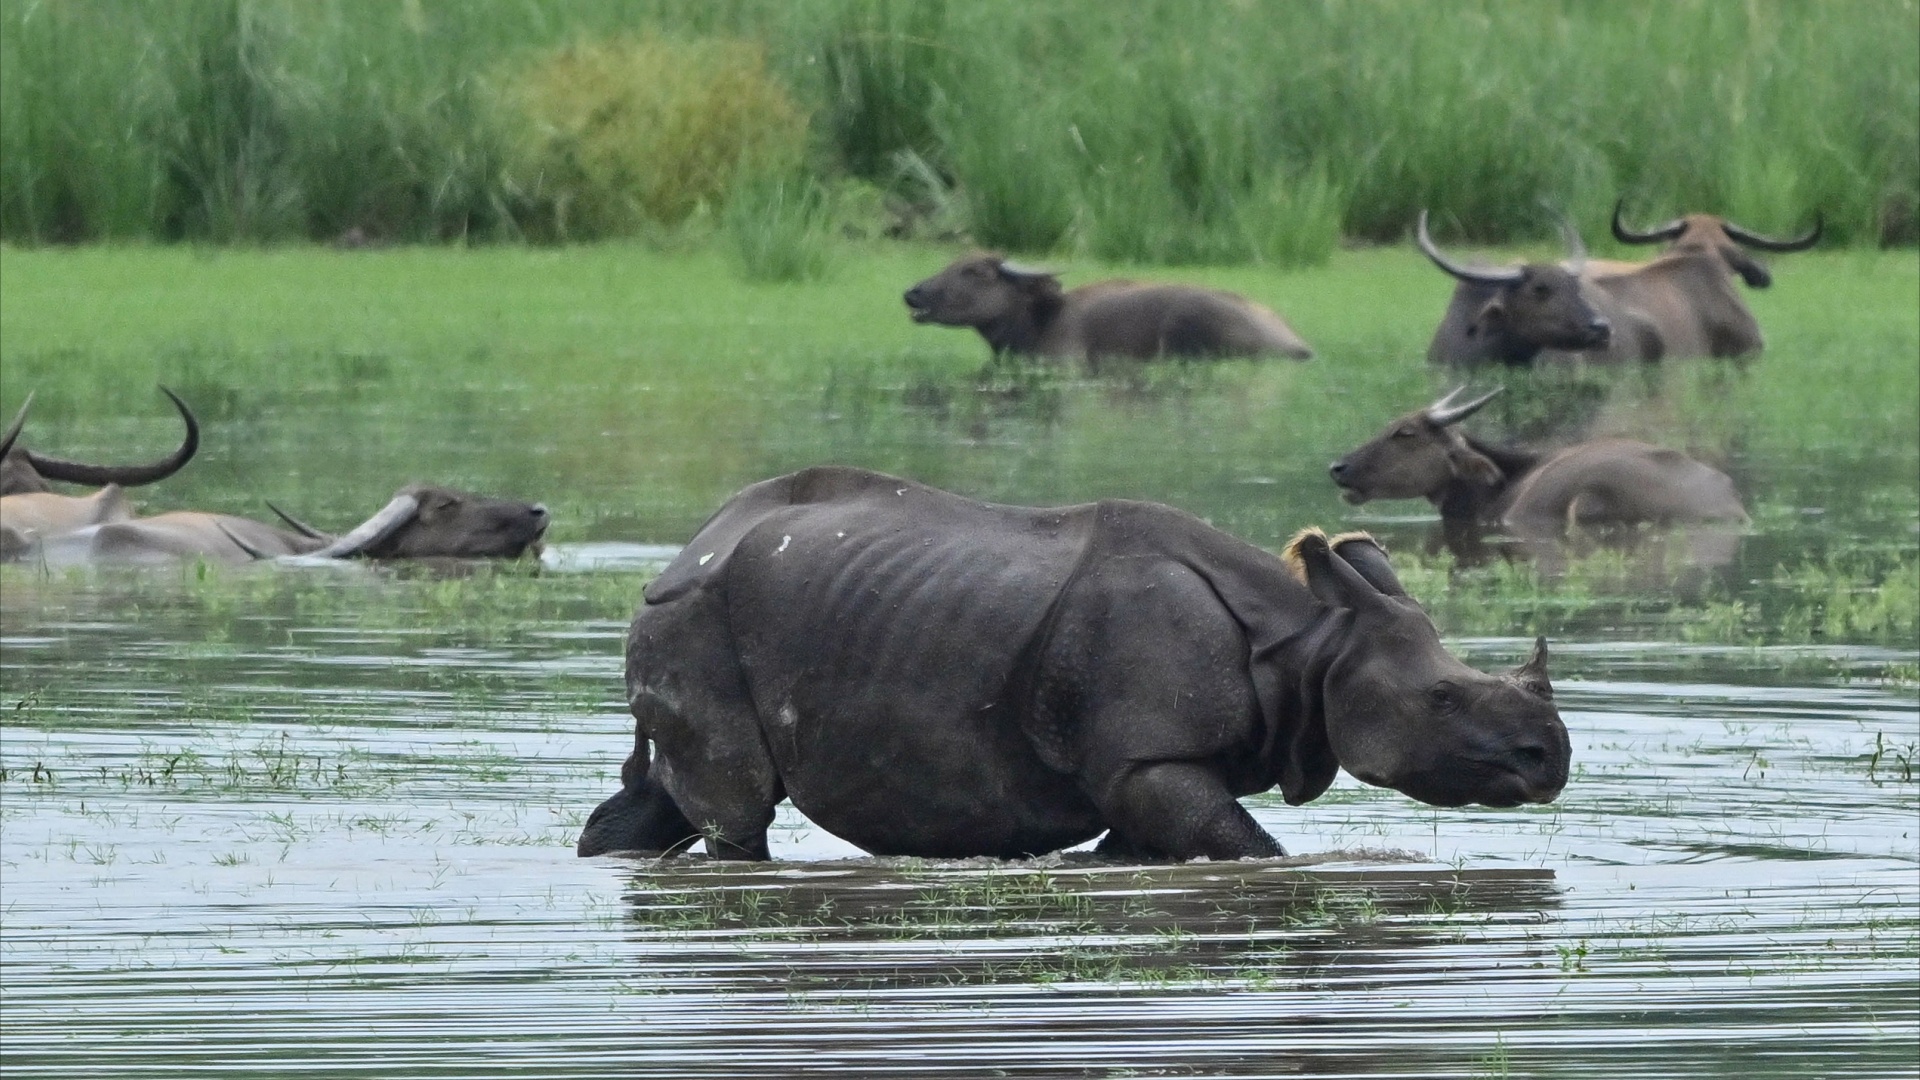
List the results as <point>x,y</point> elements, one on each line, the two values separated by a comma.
<point>1719,237</point>
<point>23,471</point>
<point>1678,305</point>
<point>1602,481</point>
<point>419,522</point>
<point>1026,312</point>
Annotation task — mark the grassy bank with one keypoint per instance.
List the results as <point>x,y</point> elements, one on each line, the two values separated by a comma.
<point>1163,132</point>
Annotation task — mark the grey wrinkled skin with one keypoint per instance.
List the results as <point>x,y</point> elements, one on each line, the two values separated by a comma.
<point>923,674</point>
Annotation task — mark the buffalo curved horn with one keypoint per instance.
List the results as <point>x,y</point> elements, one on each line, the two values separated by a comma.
<point>1445,411</point>
<point>296,524</point>
<point>1477,275</point>
<point>13,429</point>
<point>1570,235</point>
<point>76,472</point>
<point>381,525</point>
<point>252,552</point>
<point>1768,243</point>
<point>1013,271</point>
<point>1627,236</point>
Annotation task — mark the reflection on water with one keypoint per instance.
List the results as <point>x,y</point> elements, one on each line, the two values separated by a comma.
<point>323,824</point>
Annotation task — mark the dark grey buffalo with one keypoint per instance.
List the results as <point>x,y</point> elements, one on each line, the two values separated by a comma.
<point>22,471</point>
<point>419,522</point>
<point>1026,312</point>
<point>1681,304</point>
<point>1719,237</point>
<point>924,674</point>
<point>1425,455</point>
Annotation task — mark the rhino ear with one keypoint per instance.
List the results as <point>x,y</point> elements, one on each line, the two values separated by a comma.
<point>1369,560</point>
<point>1332,580</point>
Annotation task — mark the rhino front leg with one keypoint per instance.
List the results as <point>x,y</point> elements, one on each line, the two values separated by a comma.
<point>1181,810</point>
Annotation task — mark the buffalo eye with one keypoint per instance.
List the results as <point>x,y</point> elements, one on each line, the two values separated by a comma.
<point>1445,698</point>
<point>1541,291</point>
<point>1404,433</point>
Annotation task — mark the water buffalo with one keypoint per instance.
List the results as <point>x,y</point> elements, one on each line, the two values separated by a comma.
<point>419,522</point>
<point>1721,238</point>
<point>1602,481</point>
<point>924,674</point>
<point>23,471</point>
<point>1026,312</point>
<point>1678,305</point>
<point>28,509</point>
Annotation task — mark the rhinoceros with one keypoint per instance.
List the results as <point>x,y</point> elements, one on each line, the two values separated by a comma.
<point>924,674</point>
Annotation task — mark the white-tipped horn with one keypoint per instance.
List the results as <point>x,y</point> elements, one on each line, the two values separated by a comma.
<point>373,530</point>
<point>1569,235</point>
<point>1444,411</point>
<point>1019,272</point>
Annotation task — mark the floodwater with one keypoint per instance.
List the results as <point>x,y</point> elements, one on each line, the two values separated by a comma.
<point>295,821</point>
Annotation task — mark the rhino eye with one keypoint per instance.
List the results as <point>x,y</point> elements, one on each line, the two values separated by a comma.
<point>1445,698</point>
<point>1538,688</point>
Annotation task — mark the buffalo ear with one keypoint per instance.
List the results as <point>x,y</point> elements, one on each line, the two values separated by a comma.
<point>1332,580</point>
<point>1369,560</point>
<point>1749,268</point>
<point>1470,464</point>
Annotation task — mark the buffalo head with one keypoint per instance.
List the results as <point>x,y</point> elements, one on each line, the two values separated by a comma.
<point>1417,456</point>
<point>422,522</point>
<point>23,472</point>
<point>1718,236</point>
<point>1404,713</point>
<point>1530,307</point>
<point>983,291</point>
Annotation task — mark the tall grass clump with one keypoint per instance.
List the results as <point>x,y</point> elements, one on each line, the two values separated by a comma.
<point>613,136</point>
<point>780,228</point>
<point>1159,131</point>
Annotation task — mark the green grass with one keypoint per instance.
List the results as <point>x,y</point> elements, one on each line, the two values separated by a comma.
<point>1164,131</point>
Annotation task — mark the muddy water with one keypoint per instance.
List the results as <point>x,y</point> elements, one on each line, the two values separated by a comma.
<point>311,824</point>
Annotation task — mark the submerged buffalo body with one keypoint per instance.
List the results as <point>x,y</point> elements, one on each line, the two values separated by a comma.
<point>1027,312</point>
<point>923,674</point>
<point>419,522</point>
<point>1681,304</point>
<point>1598,482</point>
